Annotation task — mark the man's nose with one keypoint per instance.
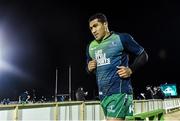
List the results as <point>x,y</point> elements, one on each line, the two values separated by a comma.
<point>93,30</point>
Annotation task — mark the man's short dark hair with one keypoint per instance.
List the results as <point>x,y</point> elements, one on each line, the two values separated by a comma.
<point>100,16</point>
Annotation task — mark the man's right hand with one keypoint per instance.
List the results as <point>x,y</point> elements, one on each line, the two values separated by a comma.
<point>92,65</point>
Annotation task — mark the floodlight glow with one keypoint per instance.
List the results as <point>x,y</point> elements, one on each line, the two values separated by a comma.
<point>8,68</point>
<point>8,51</point>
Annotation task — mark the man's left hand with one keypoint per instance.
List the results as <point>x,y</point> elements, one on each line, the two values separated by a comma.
<point>124,72</point>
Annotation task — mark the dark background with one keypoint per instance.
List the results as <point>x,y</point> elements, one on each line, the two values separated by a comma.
<point>47,35</point>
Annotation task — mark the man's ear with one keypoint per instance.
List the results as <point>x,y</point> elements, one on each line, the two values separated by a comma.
<point>105,24</point>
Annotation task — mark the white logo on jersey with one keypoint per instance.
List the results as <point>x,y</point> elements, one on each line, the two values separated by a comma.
<point>101,58</point>
<point>111,108</point>
<point>131,109</point>
<point>100,93</point>
<point>114,44</point>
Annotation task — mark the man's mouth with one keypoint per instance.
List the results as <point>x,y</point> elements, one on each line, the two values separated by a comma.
<point>96,35</point>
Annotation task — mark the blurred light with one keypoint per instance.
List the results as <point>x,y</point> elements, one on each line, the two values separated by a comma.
<point>8,50</point>
<point>8,68</point>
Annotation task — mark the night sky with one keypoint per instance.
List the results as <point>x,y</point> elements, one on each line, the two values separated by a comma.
<point>38,37</point>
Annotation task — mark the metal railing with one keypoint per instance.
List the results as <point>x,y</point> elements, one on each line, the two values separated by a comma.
<point>75,110</point>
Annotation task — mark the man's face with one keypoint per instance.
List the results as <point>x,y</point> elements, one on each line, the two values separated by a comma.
<point>98,29</point>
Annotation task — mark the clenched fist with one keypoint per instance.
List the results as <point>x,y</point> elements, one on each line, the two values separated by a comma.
<point>92,65</point>
<point>124,72</point>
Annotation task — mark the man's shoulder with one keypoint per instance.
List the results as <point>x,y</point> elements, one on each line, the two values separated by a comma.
<point>122,34</point>
<point>92,43</point>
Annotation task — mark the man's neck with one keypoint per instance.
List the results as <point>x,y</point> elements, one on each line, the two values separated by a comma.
<point>106,35</point>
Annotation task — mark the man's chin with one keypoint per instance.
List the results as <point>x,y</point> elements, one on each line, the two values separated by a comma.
<point>98,39</point>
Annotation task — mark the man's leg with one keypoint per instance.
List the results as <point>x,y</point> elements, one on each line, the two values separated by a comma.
<point>117,106</point>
